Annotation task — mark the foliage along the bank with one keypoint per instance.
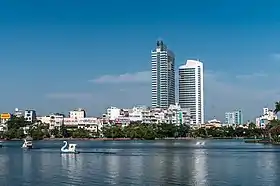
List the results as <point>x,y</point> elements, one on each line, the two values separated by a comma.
<point>136,131</point>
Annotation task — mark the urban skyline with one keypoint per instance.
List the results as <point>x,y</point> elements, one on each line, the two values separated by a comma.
<point>92,61</point>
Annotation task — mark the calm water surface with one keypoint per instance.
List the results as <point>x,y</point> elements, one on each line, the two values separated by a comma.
<point>155,163</point>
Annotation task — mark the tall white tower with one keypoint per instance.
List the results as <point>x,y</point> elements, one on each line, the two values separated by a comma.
<point>191,90</point>
<point>163,76</point>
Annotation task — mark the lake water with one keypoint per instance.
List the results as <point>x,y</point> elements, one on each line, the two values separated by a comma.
<point>155,163</point>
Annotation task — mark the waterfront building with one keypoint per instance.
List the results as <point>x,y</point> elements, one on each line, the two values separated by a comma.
<point>213,123</point>
<point>78,113</point>
<point>191,89</point>
<point>112,113</point>
<point>56,121</point>
<point>18,112</point>
<point>163,76</point>
<point>4,117</point>
<point>267,116</point>
<point>77,119</point>
<point>177,115</point>
<point>234,118</point>
<point>30,115</point>
<point>173,114</point>
<point>91,124</point>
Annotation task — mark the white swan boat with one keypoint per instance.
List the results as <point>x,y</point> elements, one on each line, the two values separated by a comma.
<point>27,144</point>
<point>200,143</point>
<point>71,148</point>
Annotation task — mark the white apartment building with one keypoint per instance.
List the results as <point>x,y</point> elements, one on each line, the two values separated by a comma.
<point>56,121</point>
<point>267,116</point>
<point>191,89</point>
<point>30,115</point>
<point>44,119</point>
<point>136,113</point>
<point>79,113</point>
<point>153,115</point>
<point>91,124</point>
<point>177,115</point>
<point>112,113</point>
<point>18,112</point>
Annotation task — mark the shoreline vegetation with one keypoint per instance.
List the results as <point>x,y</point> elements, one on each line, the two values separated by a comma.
<point>129,139</point>
<point>19,128</point>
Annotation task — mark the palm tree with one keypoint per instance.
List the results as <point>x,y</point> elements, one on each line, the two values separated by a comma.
<point>274,127</point>
<point>277,107</point>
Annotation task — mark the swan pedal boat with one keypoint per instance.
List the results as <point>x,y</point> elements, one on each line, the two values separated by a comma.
<point>27,144</point>
<point>71,148</point>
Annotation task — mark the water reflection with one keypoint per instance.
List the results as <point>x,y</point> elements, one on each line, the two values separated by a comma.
<point>163,163</point>
<point>200,166</point>
<point>135,169</point>
<point>113,168</point>
<point>4,160</point>
<point>26,164</point>
<point>266,167</point>
<point>72,166</point>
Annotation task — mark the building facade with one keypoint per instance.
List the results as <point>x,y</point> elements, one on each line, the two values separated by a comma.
<point>234,118</point>
<point>174,114</point>
<point>78,113</point>
<point>30,115</point>
<point>191,89</point>
<point>267,116</point>
<point>163,76</point>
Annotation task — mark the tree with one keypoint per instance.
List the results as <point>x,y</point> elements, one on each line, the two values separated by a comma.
<point>277,107</point>
<point>182,130</point>
<point>81,133</point>
<point>17,122</point>
<point>37,133</point>
<point>55,132</point>
<point>252,125</point>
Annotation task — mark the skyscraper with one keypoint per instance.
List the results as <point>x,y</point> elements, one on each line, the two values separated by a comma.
<point>191,89</point>
<point>163,76</point>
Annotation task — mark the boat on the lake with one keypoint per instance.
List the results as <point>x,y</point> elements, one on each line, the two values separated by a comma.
<point>27,144</point>
<point>71,148</point>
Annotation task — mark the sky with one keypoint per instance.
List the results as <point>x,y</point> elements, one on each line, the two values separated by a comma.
<point>59,55</point>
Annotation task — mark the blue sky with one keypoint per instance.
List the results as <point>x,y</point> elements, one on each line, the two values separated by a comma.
<point>59,55</point>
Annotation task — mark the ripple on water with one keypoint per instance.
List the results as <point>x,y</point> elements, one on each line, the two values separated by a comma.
<point>147,163</point>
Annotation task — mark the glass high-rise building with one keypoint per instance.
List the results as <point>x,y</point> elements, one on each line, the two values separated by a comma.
<point>191,91</point>
<point>163,76</point>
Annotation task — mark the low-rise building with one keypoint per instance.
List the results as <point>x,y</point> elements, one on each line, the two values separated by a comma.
<point>267,116</point>
<point>18,113</point>
<point>214,123</point>
<point>78,113</point>
<point>177,115</point>
<point>91,124</point>
<point>4,117</point>
<point>112,113</point>
<point>56,121</point>
<point>141,114</point>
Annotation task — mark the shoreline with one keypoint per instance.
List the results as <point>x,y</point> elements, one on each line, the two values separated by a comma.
<point>129,139</point>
